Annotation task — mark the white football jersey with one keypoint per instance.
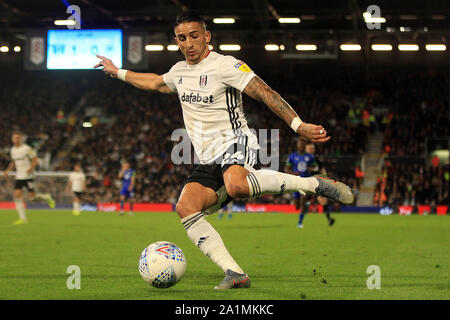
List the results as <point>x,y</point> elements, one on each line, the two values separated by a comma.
<point>22,157</point>
<point>210,93</point>
<point>77,179</point>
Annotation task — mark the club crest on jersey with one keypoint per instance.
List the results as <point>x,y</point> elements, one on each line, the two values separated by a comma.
<point>242,66</point>
<point>203,81</point>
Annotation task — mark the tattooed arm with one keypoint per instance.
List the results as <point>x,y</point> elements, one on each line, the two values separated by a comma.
<point>260,91</point>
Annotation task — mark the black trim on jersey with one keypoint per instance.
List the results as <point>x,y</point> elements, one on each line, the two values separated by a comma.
<point>235,106</point>
<point>232,104</point>
<point>229,110</point>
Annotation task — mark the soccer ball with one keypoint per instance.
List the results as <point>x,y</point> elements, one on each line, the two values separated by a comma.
<point>162,264</point>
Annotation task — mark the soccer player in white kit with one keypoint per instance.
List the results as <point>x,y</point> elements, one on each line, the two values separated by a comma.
<point>24,160</point>
<point>209,87</point>
<point>77,184</point>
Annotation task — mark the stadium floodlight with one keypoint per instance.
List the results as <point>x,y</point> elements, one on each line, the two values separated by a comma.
<point>224,20</point>
<point>65,22</point>
<point>17,49</point>
<point>271,47</point>
<point>369,19</point>
<point>375,20</point>
<point>381,47</point>
<point>154,47</point>
<point>436,47</point>
<point>306,47</point>
<point>408,47</point>
<point>87,124</point>
<point>210,46</point>
<point>172,47</point>
<point>4,49</point>
<point>289,20</point>
<point>230,47</point>
<point>350,47</point>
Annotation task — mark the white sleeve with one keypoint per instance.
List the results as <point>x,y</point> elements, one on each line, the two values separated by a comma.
<point>169,79</point>
<point>31,153</point>
<point>71,177</point>
<point>234,73</point>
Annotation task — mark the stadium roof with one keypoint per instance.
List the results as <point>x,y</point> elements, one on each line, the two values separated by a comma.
<point>324,24</point>
<point>255,16</point>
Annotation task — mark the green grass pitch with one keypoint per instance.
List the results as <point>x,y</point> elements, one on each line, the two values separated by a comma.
<point>283,262</point>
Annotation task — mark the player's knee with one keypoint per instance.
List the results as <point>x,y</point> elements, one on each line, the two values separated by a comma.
<point>17,194</point>
<point>237,190</point>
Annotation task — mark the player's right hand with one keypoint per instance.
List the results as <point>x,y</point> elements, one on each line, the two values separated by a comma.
<point>108,66</point>
<point>313,133</point>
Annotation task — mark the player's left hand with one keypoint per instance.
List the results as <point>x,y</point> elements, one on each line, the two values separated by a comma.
<point>313,133</point>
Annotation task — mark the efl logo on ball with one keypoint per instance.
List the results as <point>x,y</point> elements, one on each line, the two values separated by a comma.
<point>162,264</point>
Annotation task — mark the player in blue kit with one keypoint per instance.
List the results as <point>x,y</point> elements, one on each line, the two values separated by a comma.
<point>128,177</point>
<point>299,163</point>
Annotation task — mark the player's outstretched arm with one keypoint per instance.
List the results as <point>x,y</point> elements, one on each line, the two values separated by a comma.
<point>145,81</point>
<point>259,90</point>
<point>11,166</point>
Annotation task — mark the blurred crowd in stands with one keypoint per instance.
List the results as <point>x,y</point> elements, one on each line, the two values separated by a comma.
<point>413,182</point>
<point>36,105</point>
<point>416,125</point>
<point>135,125</point>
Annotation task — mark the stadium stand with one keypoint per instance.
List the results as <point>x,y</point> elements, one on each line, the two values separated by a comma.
<point>135,125</point>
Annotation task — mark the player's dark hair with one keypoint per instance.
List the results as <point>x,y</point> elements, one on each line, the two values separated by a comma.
<point>190,16</point>
<point>16,131</point>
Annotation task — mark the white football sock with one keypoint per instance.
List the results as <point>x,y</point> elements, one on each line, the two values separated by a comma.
<point>76,207</point>
<point>262,182</point>
<point>20,207</point>
<point>206,238</point>
<point>42,197</point>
